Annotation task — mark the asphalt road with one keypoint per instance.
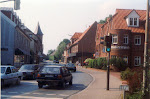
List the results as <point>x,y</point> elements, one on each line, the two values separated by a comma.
<point>28,89</point>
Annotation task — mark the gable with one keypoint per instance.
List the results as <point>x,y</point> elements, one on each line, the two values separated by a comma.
<point>133,14</point>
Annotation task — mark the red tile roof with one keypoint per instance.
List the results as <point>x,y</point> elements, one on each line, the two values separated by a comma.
<point>76,35</point>
<point>118,21</point>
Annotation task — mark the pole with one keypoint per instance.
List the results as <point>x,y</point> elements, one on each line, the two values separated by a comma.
<point>146,65</point>
<point>108,71</point>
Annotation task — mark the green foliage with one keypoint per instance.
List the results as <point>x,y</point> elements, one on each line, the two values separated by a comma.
<point>51,58</point>
<point>136,95</point>
<point>118,63</point>
<point>50,51</point>
<point>104,21</point>
<point>87,60</point>
<point>97,63</point>
<point>59,51</point>
<point>125,75</point>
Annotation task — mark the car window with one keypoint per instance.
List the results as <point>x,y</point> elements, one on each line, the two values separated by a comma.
<point>27,67</point>
<point>51,70</point>
<point>3,69</point>
<point>70,65</point>
<point>8,70</point>
<point>65,70</point>
<point>13,69</point>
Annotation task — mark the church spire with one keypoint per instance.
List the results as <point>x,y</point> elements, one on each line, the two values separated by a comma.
<point>38,30</point>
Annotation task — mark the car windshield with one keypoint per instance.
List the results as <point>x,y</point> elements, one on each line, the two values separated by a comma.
<point>51,70</point>
<point>70,65</point>
<point>3,69</point>
<point>27,67</point>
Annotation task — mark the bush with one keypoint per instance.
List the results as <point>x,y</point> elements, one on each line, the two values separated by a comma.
<point>101,62</point>
<point>119,63</point>
<point>136,95</point>
<point>126,74</point>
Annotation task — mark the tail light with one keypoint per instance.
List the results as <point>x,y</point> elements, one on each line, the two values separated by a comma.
<point>38,75</point>
<point>59,76</point>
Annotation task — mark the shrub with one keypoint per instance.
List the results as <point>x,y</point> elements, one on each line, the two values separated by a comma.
<point>101,62</point>
<point>119,63</point>
<point>136,95</point>
<point>126,74</point>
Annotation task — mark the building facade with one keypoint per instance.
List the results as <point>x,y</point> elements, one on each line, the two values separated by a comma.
<point>127,28</point>
<point>82,46</point>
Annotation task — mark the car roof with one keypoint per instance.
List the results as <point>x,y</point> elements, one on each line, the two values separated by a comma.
<point>53,66</point>
<point>6,66</point>
<point>30,64</point>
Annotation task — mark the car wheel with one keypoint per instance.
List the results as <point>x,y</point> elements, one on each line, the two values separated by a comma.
<point>2,83</point>
<point>40,85</point>
<point>74,70</point>
<point>18,81</point>
<point>63,85</point>
<point>70,82</point>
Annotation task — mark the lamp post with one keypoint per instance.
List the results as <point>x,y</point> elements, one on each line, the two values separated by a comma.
<point>146,65</point>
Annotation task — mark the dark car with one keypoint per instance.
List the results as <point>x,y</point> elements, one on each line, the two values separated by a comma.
<point>71,66</point>
<point>29,71</point>
<point>54,75</point>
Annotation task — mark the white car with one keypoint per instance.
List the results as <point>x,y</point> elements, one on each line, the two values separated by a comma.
<point>10,75</point>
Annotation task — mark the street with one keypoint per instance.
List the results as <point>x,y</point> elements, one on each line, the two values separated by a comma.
<point>29,88</point>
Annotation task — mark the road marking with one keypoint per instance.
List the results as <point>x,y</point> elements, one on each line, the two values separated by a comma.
<point>50,94</point>
<point>32,97</point>
<point>63,95</point>
<point>36,93</point>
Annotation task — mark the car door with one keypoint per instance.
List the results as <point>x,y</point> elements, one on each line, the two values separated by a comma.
<point>9,76</point>
<point>14,74</point>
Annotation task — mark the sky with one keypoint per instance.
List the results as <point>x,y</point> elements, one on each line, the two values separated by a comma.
<point>59,19</point>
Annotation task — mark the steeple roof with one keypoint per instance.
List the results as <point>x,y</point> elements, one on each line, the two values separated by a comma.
<point>38,30</point>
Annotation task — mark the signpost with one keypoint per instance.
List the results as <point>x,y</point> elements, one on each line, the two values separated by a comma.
<point>124,88</point>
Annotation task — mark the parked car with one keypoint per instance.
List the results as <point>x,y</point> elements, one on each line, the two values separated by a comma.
<point>71,66</point>
<point>10,75</point>
<point>29,71</point>
<point>54,75</point>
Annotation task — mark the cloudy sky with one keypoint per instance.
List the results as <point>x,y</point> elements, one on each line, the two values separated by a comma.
<point>60,18</point>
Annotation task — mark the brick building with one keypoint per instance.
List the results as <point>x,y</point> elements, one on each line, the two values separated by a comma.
<point>82,45</point>
<point>127,27</point>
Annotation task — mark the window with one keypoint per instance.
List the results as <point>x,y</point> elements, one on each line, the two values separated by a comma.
<point>137,60</point>
<point>125,58</point>
<point>125,39</point>
<point>137,40</point>
<point>133,21</point>
<point>114,39</point>
<point>113,56</point>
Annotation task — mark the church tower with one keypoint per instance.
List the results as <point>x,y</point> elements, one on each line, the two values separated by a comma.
<point>38,32</point>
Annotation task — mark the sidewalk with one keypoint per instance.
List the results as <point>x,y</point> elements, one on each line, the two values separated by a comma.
<point>97,88</point>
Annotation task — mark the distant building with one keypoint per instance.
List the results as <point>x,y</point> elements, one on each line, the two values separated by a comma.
<point>38,32</point>
<point>82,45</point>
<point>127,27</point>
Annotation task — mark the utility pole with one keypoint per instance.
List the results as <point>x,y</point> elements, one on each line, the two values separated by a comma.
<point>108,70</point>
<point>146,65</point>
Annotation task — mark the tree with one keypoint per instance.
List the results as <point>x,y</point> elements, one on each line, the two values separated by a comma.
<point>50,51</point>
<point>104,21</point>
<point>60,49</point>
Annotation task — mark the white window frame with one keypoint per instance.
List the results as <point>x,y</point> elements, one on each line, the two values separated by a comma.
<point>114,36</point>
<point>133,21</point>
<point>125,39</point>
<point>125,58</point>
<point>137,58</point>
<point>137,37</point>
<point>113,56</point>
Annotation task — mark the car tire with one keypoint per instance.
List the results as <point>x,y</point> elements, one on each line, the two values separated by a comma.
<point>18,81</point>
<point>2,84</point>
<point>70,82</point>
<point>74,70</point>
<point>40,85</point>
<point>63,84</point>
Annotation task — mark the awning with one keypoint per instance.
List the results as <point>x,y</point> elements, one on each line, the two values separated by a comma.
<point>19,51</point>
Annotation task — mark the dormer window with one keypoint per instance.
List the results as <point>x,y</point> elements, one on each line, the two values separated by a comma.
<point>133,19</point>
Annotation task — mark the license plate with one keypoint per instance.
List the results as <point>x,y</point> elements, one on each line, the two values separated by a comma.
<point>48,75</point>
